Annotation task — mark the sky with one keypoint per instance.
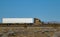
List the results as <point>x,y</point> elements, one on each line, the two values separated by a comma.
<point>45,10</point>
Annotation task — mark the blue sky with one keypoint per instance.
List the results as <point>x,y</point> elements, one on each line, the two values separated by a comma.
<point>46,10</point>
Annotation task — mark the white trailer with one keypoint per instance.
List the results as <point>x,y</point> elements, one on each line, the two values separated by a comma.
<point>18,20</point>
